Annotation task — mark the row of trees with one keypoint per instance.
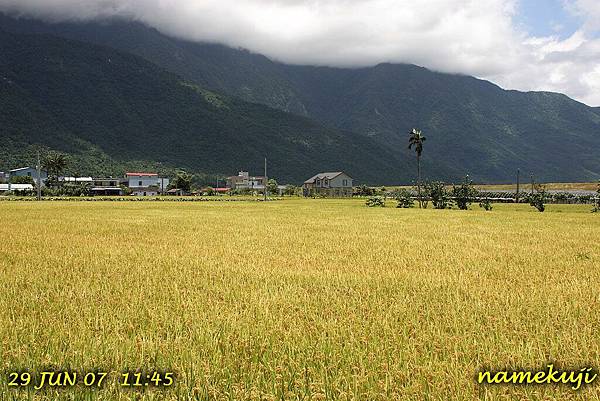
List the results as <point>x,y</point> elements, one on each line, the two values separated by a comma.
<point>462,195</point>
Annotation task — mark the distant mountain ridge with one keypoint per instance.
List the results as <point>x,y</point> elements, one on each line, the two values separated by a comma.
<point>472,126</point>
<point>109,109</point>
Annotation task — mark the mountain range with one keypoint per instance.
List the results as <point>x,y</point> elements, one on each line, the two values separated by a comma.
<point>304,118</point>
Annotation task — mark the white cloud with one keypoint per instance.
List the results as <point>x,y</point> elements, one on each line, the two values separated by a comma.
<point>475,37</point>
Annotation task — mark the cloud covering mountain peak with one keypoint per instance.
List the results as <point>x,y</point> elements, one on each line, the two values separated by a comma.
<point>477,37</point>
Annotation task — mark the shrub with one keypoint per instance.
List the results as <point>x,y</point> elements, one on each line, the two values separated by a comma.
<point>273,186</point>
<point>375,201</point>
<point>404,199</point>
<point>539,198</point>
<point>22,179</point>
<point>76,189</point>
<point>291,190</point>
<point>596,208</point>
<point>208,191</point>
<point>363,190</point>
<point>464,194</point>
<point>486,204</point>
<point>439,196</point>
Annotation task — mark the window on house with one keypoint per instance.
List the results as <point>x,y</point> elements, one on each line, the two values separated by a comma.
<point>140,183</point>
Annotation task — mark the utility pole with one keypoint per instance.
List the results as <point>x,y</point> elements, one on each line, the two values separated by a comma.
<point>39,177</point>
<point>518,183</point>
<point>266,179</point>
<point>532,184</point>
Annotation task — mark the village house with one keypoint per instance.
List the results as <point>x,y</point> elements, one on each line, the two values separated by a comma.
<point>16,188</point>
<point>146,184</point>
<point>107,186</point>
<point>335,185</point>
<point>76,180</point>
<point>28,172</point>
<point>244,181</point>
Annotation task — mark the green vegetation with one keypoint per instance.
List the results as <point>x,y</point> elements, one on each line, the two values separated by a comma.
<point>110,111</point>
<point>404,199</point>
<point>375,201</point>
<point>477,127</point>
<point>596,208</point>
<point>416,139</point>
<point>438,194</point>
<point>183,181</point>
<point>54,163</point>
<point>464,194</point>
<point>486,204</point>
<point>539,198</point>
<point>22,179</point>
<point>272,187</point>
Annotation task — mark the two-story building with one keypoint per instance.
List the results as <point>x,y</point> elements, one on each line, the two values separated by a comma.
<point>146,184</point>
<point>107,186</point>
<point>245,181</point>
<point>335,185</point>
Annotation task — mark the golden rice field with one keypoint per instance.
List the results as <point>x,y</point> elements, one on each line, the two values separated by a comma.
<point>298,299</point>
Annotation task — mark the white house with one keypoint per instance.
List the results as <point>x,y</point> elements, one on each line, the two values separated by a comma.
<point>146,184</point>
<point>245,181</point>
<point>76,180</point>
<point>149,191</point>
<point>15,188</point>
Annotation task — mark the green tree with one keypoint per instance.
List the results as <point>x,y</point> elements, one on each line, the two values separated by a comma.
<point>539,198</point>
<point>440,197</point>
<point>416,140</point>
<point>464,194</point>
<point>290,190</point>
<point>22,179</point>
<point>404,199</point>
<point>272,186</point>
<point>55,163</point>
<point>183,180</point>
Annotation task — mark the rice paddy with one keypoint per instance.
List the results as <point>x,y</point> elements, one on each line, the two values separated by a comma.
<point>298,299</point>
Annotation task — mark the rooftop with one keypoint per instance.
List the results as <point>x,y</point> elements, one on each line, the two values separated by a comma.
<point>321,176</point>
<point>16,187</point>
<point>21,169</point>
<point>141,174</point>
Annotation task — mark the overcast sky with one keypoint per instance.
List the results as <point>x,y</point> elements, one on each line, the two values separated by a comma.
<point>519,44</point>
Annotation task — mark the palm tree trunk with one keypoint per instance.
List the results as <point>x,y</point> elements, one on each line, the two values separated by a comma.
<point>419,181</point>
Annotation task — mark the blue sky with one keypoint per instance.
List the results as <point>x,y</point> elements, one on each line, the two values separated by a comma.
<point>547,18</point>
